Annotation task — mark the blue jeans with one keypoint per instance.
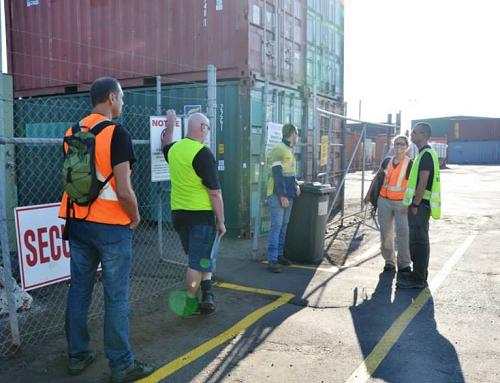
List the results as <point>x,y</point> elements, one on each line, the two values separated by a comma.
<point>197,242</point>
<point>279,222</point>
<point>91,243</point>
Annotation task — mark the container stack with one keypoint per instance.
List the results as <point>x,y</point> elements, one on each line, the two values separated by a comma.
<point>58,48</point>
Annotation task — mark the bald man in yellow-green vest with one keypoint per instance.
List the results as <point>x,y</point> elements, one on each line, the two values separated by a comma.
<point>197,208</point>
<point>423,199</point>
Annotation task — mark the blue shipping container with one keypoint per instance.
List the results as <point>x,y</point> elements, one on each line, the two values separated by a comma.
<point>474,152</point>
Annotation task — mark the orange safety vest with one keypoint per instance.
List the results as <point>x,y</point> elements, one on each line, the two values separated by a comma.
<point>395,180</point>
<point>106,208</point>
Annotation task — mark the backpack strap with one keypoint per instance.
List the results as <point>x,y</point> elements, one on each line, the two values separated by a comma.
<point>69,204</point>
<point>100,126</point>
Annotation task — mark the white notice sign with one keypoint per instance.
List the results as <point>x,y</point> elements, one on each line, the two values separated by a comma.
<point>274,135</point>
<point>159,167</point>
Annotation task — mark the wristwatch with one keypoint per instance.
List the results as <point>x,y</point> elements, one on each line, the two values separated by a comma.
<point>414,205</point>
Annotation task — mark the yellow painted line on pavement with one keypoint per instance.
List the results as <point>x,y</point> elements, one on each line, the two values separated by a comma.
<point>182,361</point>
<point>366,369</point>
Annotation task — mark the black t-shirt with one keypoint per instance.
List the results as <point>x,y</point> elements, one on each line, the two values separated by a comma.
<point>426,163</point>
<point>121,147</point>
<point>386,160</point>
<point>205,167</point>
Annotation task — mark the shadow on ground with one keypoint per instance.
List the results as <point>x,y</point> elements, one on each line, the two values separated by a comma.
<point>421,354</point>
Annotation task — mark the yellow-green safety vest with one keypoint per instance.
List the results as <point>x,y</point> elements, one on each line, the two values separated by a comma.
<point>434,195</point>
<point>283,155</point>
<point>188,191</point>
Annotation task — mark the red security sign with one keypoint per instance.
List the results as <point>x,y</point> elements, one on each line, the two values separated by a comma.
<point>44,257</point>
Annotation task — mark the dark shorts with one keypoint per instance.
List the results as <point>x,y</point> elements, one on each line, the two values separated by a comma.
<point>197,241</point>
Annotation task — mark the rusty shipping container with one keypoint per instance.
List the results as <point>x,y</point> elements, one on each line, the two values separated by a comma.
<point>61,46</point>
<point>474,129</point>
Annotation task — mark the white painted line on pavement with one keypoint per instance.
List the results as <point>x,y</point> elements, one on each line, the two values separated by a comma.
<point>371,252</point>
<point>366,369</point>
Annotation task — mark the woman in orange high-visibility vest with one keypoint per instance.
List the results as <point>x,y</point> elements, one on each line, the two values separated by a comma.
<point>395,170</point>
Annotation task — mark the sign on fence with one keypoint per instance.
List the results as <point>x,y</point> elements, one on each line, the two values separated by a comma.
<point>44,257</point>
<point>190,109</point>
<point>323,158</point>
<point>274,135</point>
<point>159,167</point>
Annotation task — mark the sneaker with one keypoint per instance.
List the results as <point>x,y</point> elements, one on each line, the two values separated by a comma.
<point>274,267</point>
<point>410,284</point>
<point>77,364</point>
<point>135,371</point>
<point>389,267</point>
<point>284,261</point>
<point>207,305</point>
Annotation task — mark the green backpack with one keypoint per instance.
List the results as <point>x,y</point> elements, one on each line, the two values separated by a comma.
<point>80,180</point>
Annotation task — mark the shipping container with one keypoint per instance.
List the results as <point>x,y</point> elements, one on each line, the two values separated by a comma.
<point>474,129</point>
<point>446,127</point>
<point>439,125</point>
<point>325,46</point>
<point>239,126</point>
<point>474,152</point>
<point>59,46</point>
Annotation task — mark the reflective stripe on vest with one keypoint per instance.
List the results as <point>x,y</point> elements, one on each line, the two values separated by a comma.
<point>395,180</point>
<point>188,191</point>
<point>106,208</point>
<point>434,195</point>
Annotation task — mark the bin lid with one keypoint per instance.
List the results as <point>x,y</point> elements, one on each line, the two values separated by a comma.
<point>317,188</point>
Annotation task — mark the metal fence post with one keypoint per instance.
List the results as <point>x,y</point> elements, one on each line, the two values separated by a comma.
<point>212,107</point>
<point>7,272</point>
<point>262,163</point>
<point>315,135</point>
<point>4,237</point>
<point>344,162</point>
<point>159,185</point>
<point>363,167</point>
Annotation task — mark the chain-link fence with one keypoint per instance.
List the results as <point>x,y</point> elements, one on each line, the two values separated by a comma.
<point>34,162</point>
<point>347,158</point>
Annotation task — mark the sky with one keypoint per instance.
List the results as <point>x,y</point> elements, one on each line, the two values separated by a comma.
<point>425,58</point>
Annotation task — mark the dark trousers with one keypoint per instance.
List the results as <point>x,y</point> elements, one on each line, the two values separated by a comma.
<point>419,241</point>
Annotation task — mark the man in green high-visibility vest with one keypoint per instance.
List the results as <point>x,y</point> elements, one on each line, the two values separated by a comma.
<point>423,199</point>
<point>197,206</point>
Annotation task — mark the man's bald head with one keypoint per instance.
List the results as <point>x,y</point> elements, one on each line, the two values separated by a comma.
<point>198,126</point>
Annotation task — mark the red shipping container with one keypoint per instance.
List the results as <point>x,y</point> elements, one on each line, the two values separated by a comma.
<point>474,129</point>
<point>61,46</point>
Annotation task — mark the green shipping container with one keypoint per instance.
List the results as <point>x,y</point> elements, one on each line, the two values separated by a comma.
<point>239,118</point>
<point>440,125</point>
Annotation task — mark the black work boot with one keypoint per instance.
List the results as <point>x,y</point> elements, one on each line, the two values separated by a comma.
<point>274,267</point>
<point>207,304</point>
<point>284,261</point>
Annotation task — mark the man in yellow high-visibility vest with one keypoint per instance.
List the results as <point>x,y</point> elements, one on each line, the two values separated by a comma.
<point>423,199</point>
<point>197,206</point>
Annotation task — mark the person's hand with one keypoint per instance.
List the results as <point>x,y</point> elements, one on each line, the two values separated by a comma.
<point>367,200</point>
<point>171,118</point>
<point>297,190</point>
<point>135,222</point>
<point>413,210</point>
<point>284,202</point>
<point>221,228</point>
